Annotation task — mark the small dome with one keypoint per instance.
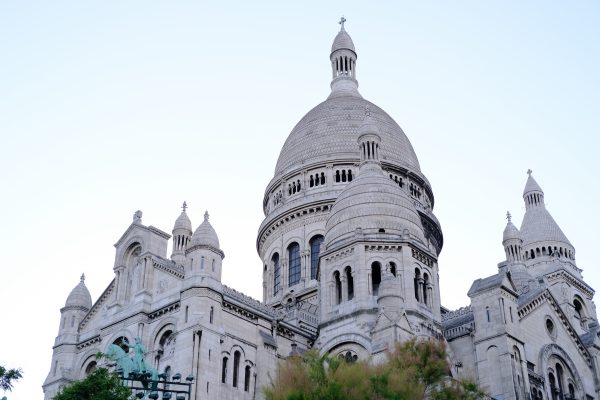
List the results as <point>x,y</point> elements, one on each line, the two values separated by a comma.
<point>342,41</point>
<point>511,231</point>
<point>205,234</point>
<point>80,296</point>
<point>374,205</point>
<point>183,221</point>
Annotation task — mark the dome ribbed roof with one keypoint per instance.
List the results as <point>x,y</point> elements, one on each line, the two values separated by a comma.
<point>538,226</point>
<point>183,222</point>
<point>79,296</point>
<point>205,235</point>
<point>372,202</point>
<point>342,41</point>
<point>510,232</point>
<point>330,132</point>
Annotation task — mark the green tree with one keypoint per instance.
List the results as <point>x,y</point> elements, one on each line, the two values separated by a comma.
<point>99,385</point>
<point>414,370</point>
<point>8,377</point>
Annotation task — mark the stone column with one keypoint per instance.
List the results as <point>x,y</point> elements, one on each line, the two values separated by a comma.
<point>344,287</point>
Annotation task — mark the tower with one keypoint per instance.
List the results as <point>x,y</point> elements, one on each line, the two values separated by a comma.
<point>78,304</point>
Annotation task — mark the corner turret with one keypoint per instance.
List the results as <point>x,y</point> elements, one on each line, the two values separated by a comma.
<point>182,235</point>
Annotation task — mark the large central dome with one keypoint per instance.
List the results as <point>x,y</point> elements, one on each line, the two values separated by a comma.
<point>330,131</point>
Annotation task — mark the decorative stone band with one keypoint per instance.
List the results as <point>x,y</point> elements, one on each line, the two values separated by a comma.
<point>291,216</point>
<point>173,307</point>
<point>89,342</point>
<point>422,257</point>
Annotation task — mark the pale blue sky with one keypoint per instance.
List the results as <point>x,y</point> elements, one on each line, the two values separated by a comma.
<point>113,106</point>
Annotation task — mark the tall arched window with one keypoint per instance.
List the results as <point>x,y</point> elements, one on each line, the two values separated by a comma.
<point>375,277</point>
<point>425,284</point>
<point>553,390</point>
<point>224,370</point>
<point>236,367</point>
<point>315,249</point>
<point>294,257</point>
<point>247,378</point>
<point>578,304</point>
<point>417,282</point>
<point>349,282</point>
<point>338,287</point>
<point>559,378</point>
<point>212,314</point>
<point>276,274</point>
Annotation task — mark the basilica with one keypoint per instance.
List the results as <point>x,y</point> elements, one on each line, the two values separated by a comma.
<point>349,247</point>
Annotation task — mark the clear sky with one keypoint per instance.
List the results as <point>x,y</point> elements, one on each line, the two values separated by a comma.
<point>107,107</point>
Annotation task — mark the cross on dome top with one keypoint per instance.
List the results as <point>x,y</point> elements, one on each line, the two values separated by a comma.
<point>206,215</point>
<point>82,277</point>
<point>529,172</point>
<point>342,21</point>
<point>184,206</point>
<point>508,216</point>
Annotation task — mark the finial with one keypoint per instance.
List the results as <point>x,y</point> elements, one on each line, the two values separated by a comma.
<point>137,217</point>
<point>342,20</point>
<point>82,279</point>
<point>206,216</point>
<point>184,206</point>
<point>508,216</point>
<point>529,172</point>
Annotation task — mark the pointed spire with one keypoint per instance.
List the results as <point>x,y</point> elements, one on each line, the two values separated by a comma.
<point>82,278</point>
<point>343,64</point>
<point>533,195</point>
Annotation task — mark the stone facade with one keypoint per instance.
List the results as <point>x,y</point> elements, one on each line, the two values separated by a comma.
<point>349,247</point>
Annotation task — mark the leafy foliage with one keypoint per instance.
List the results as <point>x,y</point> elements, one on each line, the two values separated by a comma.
<point>414,370</point>
<point>99,385</point>
<point>8,377</point>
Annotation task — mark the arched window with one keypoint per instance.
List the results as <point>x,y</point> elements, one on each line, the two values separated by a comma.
<point>294,257</point>
<point>349,283</point>
<point>578,304</point>
<point>375,277</point>
<point>416,283</point>
<point>213,265</point>
<point>123,343</point>
<point>338,287</point>
<point>393,268</point>
<point>487,313</point>
<point>91,367</point>
<point>236,367</point>
<point>247,378</point>
<point>276,274</point>
<point>571,391</point>
<point>559,379</point>
<point>187,311</point>
<point>553,390</point>
<point>315,250</point>
<point>224,370</point>
<point>211,315</point>
<point>425,284</point>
